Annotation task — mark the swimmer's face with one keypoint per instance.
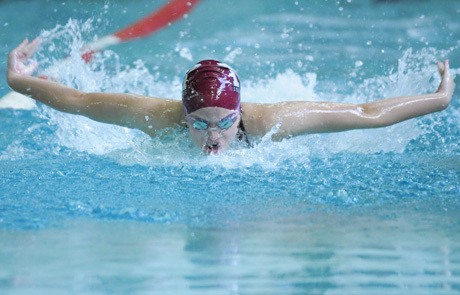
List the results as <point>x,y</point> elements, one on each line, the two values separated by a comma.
<point>213,129</point>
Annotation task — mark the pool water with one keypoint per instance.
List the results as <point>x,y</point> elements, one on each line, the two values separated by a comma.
<point>91,208</point>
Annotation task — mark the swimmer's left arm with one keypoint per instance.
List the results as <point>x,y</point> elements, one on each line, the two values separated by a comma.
<point>296,118</point>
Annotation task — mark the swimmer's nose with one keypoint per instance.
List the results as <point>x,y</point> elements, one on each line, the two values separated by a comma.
<point>214,133</point>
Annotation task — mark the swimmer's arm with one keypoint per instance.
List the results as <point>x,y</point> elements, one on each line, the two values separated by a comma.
<point>146,114</point>
<point>296,118</point>
<point>127,110</point>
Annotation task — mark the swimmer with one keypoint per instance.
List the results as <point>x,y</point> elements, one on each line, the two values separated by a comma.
<point>211,106</point>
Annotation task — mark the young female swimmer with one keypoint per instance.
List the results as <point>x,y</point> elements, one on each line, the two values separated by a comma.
<point>211,106</point>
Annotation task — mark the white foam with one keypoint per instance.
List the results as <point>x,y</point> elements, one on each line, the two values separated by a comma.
<point>16,101</point>
<point>287,86</point>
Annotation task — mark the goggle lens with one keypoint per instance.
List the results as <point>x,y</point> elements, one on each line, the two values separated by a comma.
<point>223,124</point>
<point>226,123</point>
<point>200,125</point>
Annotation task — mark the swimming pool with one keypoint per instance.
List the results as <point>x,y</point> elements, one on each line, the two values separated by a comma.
<point>91,208</point>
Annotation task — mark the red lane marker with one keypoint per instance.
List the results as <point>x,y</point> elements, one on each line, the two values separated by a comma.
<point>172,11</point>
<point>166,15</point>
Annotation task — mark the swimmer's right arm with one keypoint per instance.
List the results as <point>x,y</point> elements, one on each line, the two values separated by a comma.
<point>133,111</point>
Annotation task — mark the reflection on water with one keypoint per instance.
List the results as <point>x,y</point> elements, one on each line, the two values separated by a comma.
<point>409,248</point>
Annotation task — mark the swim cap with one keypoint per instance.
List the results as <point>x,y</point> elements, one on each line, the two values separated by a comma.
<point>211,84</point>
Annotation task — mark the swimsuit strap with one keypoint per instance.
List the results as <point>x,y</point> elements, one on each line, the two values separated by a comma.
<point>242,135</point>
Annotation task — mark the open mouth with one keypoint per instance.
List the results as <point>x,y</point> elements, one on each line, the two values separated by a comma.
<point>212,148</point>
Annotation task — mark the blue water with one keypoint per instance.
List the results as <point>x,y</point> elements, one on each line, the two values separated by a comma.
<point>91,208</point>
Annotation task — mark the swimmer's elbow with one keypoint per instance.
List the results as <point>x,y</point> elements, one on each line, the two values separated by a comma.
<point>370,116</point>
<point>74,102</point>
<point>365,111</point>
<point>386,113</point>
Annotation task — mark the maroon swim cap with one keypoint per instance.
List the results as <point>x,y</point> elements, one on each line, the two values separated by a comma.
<point>211,84</point>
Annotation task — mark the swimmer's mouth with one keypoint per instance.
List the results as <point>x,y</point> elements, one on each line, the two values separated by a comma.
<point>212,148</point>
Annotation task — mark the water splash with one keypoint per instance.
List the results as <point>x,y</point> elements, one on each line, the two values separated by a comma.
<point>415,73</point>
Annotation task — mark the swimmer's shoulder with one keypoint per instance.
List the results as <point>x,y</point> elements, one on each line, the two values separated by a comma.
<point>258,118</point>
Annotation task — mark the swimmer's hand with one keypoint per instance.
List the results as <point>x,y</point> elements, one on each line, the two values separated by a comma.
<point>446,86</point>
<point>18,59</point>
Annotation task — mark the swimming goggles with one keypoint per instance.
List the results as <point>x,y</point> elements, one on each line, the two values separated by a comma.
<point>223,124</point>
